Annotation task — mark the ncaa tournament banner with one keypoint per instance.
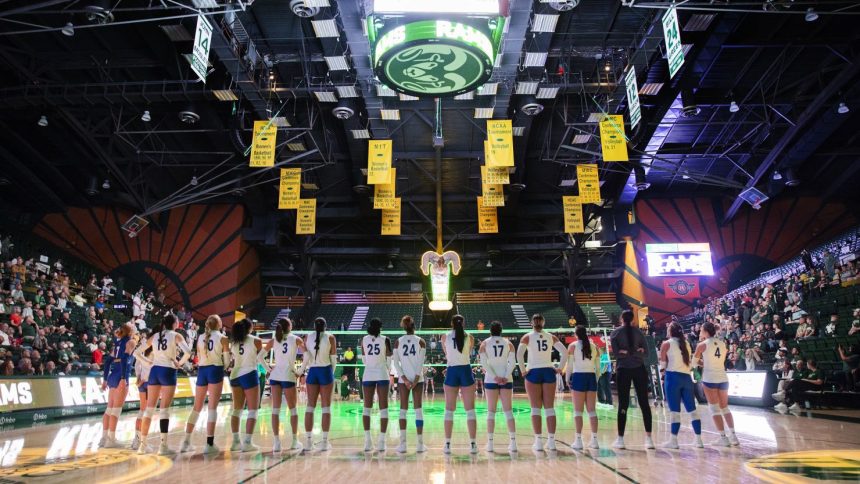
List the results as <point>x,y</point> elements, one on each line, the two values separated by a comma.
<point>263,144</point>
<point>681,287</point>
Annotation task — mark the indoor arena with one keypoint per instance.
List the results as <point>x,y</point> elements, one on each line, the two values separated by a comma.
<point>448,241</point>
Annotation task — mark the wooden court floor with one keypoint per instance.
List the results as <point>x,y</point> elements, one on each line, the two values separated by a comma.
<point>774,448</point>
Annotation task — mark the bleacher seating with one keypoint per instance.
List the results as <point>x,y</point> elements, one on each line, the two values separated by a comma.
<point>354,311</point>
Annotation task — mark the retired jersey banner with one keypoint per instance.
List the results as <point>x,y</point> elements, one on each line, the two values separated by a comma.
<point>383,194</point>
<point>573,221</point>
<point>589,183</point>
<point>681,287</point>
<point>391,219</point>
<point>612,138</point>
<point>500,140</point>
<point>488,218</point>
<point>290,188</point>
<point>495,175</point>
<point>493,195</point>
<point>263,144</point>
<point>306,218</point>
<point>378,161</point>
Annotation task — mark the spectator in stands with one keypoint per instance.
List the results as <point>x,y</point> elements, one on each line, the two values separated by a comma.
<point>850,363</point>
<point>25,366</point>
<point>830,329</point>
<point>29,330</point>
<point>480,325</point>
<point>752,356</point>
<point>17,293</point>
<point>137,304</point>
<point>8,368</point>
<point>5,339</point>
<point>98,353</point>
<point>855,324</point>
<point>50,369</point>
<point>829,263</point>
<point>812,380</point>
<point>804,328</point>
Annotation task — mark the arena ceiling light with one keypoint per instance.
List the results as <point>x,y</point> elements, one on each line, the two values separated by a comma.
<point>488,89</point>
<point>527,87</point>
<point>318,3</point>
<point>337,63</point>
<point>547,93</point>
<point>518,130</point>
<point>297,146</point>
<point>226,95</point>
<point>535,59</point>
<point>580,139</point>
<point>407,97</point>
<point>390,114</point>
<point>281,121</point>
<point>360,134</point>
<point>68,30</point>
<point>483,113</point>
<point>347,91</point>
<point>325,28</point>
<point>384,91</point>
<point>466,96</point>
<point>544,23</point>
<point>594,118</point>
<point>325,96</point>
<point>471,7</point>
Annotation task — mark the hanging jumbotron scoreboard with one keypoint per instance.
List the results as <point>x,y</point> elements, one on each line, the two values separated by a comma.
<point>434,57</point>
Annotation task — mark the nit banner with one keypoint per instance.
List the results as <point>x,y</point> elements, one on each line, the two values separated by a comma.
<point>378,161</point>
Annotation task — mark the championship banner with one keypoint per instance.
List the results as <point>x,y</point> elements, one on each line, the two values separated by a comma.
<point>681,287</point>
<point>488,218</point>
<point>306,218</point>
<point>391,219</point>
<point>612,138</point>
<point>263,144</point>
<point>493,195</point>
<point>289,190</point>
<point>573,221</point>
<point>238,316</point>
<point>500,142</point>
<point>383,194</point>
<point>589,183</point>
<point>378,161</point>
<point>495,175</point>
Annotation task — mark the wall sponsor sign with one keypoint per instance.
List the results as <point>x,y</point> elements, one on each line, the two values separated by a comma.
<point>681,287</point>
<point>691,259</point>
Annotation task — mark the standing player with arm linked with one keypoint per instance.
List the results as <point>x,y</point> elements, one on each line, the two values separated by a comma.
<point>581,368</point>
<point>540,378</point>
<point>457,345</point>
<point>319,361</point>
<point>116,374</point>
<point>244,383</point>
<point>675,359</point>
<point>142,365</point>
<point>409,353</point>
<point>375,352</point>
<point>213,352</point>
<point>499,359</point>
<point>628,347</point>
<point>282,380</point>
<point>711,354</point>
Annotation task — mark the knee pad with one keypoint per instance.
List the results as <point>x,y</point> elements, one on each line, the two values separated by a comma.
<point>164,413</point>
<point>294,412</point>
<point>383,413</point>
<point>309,410</point>
<point>252,414</point>
<point>276,411</point>
<point>577,414</point>
<point>402,414</point>
<point>470,414</point>
<point>549,412</point>
<point>192,418</point>
<point>449,415</point>
<point>695,414</point>
<point>419,413</point>
<point>591,414</point>
<point>236,412</point>
<point>535,412</point>
<point>675,417</point>
<point>326,410</point>
<point>117,411</point>
<point>211,416</point>
<point>509,415</point>
<point>491,416</point>
<point>149,412</point>
<point>715,409</point>
<point>725,411</point>
<point>365,412</point>
<point>141,412</point>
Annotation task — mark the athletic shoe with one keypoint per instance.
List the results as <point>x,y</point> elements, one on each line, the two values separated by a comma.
<point>699,444</point>
<point>249,447</point>
<point>577,444</point>
<point>401,449</point>
<point>420,447</point>
<point>368,444</point>
<point>210,449</point>
<point>512,447</point>
<point>324,445</point>
<point>538,445</point>
<point>309,443</point>
<point>672,443</point>
<point>649,442</point>
<point>103,440</point>
<point>619,443</point>
<point>781,407</point>
<point>135,442</point>
<point>446,449</point>
<point>276,446</point>
<point>593,444</point>
<point>550,444</point>
<point>733,439</point>
<point>795,408</point>
<point>166,451</point>
<point>722,442</point>
<point>236,446</point>
<point>144,449</point>
<point>381,443</point>
<point>779,396</point>
<point>490,447</point>
<point>186,447</point>
<point>473,448</point>
<point>296,445</point>
<point>111,444</point>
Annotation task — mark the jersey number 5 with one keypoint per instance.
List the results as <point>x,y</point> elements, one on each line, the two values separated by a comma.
<point>241,349</point>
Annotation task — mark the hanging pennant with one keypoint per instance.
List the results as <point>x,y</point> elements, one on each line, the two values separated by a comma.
<point>589,183</point>
<point>378,161</point>
<point>391,219</point>
<point>488,218</point>
<point>263,144</point>
<point>495,175</point>
<point>612,138</point>
<point>306,217</point>
<point>383,194</point>
<point>500,139</point>
<point>290,188</point>
<point>573,221</point>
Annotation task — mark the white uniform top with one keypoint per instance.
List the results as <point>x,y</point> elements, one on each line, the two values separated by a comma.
<point>498,359</point>
<point>540,350</point>
<point>141,370</point>
<point>211,354</point>
<point>580,364</point>
<point>164,349</point>
<point>285,359</point>
<point>454,357</point>
<point>318,358</point>
<point>244,357</point>
<point>714,361</point>
<point>375,358</point>
<point>411,355</point>
<point>676,359</point>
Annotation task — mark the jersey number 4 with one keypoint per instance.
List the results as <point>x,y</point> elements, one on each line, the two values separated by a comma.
<point>717,353</point>
<point>408,350</point>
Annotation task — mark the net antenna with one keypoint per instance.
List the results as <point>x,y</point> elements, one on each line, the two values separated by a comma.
<point>134,225</point>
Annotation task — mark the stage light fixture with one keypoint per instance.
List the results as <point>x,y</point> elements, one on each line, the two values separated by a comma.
<point>43,121</point>
<point>146,117</point>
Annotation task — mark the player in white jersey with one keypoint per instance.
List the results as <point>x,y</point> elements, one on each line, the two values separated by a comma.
<point>581,367</point>
<point>375,351</point>
<point>142,366</point>
<point>457,345</point>
<point>499,360</point>
<point>409,353</point>
<point>540,378</point>
<point>213,354</point>
<point>282,380</point>
<point>162,379</point>
<point>319,361</point>
<point>245,383</point>
<point>711,355</point>
<point>675,358</point>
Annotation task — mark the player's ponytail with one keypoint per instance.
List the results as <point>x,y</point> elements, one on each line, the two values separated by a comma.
<point>240,331</point>
<point>710,328</point>
<point>213,322</point>
<point>374,328</point>
<point>627,322</point>
<point>676,332</point>
<point>282,329</point>
<point>319,327</point>
<point>459,334</point>
<point>585,343</point>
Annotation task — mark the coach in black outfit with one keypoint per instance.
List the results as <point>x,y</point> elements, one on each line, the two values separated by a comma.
<point>629,350</point>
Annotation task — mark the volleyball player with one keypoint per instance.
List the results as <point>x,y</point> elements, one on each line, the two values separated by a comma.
<point>282,380</point>
<point>244,383</point>
<point>117,371</point>
<point>142,365</point>
<point>499,360</point>
<point>540,378</point>
<point>375,351</point>
<point>430,379</point>
<point>213,353</point>
<point>409,353</point>
<point>319,361</point>
<point>676,360</point>
<point>629,350</point>
<point>162,379</point>
<point>457,346</point>
<point>711,354</point>
<point>581,368</point>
